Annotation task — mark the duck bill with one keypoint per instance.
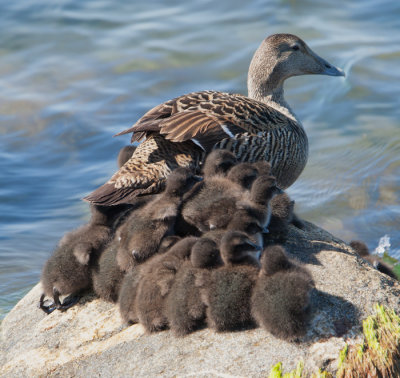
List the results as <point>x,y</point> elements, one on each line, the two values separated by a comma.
<point>325,68</point>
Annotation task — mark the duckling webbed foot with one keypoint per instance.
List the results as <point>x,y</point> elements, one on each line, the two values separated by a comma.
<point>68,302</point>
<point>46,305</point>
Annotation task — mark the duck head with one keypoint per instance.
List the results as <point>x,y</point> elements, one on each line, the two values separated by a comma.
<point>279,57</point>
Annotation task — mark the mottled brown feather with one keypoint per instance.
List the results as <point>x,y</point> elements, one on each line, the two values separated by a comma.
<point>146,172</point>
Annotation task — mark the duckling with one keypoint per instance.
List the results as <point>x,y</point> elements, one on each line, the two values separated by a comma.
<point>130,283</point>
<point>184,309</point>
<point>63,274</point>
<point>69,270</point>
<point>227,290</point>
<point>263,190</point>
<point>243,174</point>
<point>218,162</point>
<point>95,234</point>
<point>362,250</point>
<point>262,126</point>
<point>125,153</point>
<point>107,276</point>
<point>280,298</point>
<point>157,277</point>
<point>281,216</point>
<point>215,204</point>
<point>142,232</point>
<point>127,296</point>
<point>263,167</point>
<point>247,219</point>
<point>217,198</point>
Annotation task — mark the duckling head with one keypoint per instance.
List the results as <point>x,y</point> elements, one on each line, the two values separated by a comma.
<point>264,189</point>
<point>218,162</point>
<point>205,254</point>
<point>243,174</point>
<point>180,181</point>
<point>274,259</point>
<point>236,246</point>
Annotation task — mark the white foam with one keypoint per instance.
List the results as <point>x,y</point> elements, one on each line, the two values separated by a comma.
<point>383,245</point>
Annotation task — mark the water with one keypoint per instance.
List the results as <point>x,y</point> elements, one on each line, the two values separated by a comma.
<point>73,73</point>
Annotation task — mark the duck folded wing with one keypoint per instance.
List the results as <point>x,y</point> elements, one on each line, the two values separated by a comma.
<point>146,171</point>
<point>207,117</point>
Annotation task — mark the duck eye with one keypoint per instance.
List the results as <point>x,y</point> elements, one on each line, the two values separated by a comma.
<point>295,47</point>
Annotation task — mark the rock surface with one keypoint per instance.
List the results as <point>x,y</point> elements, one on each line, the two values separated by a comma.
<point>90,339</point>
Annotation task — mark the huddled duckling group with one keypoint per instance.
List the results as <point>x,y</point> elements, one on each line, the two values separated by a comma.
<point>190,255</point>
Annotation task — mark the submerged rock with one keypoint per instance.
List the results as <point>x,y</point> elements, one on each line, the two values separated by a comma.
<point>89,339</point>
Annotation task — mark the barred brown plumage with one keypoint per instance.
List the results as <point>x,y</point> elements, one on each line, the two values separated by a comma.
<point>182,131</point>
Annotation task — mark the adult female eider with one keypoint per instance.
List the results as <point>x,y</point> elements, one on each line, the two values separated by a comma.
<point>262,126</point>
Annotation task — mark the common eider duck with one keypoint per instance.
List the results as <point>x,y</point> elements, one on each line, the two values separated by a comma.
<point>70,268</point>
<point>280,299</point>
<point>156,278</point>
<point>184,309</point>
<point>107,275</point>
<point>143,231</point>
<point>64,274</point>
<point>130,283</point>
<point>227,290</point>
<point>218,162</point>
<point>214,203</point>
<point>260,126</point>
<point>362,250</point>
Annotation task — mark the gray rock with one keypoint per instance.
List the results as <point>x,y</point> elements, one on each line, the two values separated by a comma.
<point>90,340</point>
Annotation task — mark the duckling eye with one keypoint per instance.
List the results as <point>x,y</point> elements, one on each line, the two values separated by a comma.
<point>295,47</point>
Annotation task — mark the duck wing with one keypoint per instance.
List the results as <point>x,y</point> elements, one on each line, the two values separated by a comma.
<point>207,117</point>
<point>146,171</point>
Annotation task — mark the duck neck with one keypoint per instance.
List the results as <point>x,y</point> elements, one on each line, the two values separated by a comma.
<point>272,94</point>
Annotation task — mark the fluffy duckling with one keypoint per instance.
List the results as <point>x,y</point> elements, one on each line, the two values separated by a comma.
<point>362,250</point>
<point>63,274</point>
<point>217,195</point>
<point>127,296</point>
<point>243,174</point>
<point>156,278</point>
<point>263,167</point>
<point>227,290</point>
<point>247,219</point>
<point>141,234</point>
<point>218,162</point>
<point>130,282</point>
<point>95,234</point>
<point>184,309</point>
<point>280,298</point>
<point>217,202</point>
<point>69,270</point>
<point>107,276</point>
<point>262,191</point>
<point>281,216</point>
